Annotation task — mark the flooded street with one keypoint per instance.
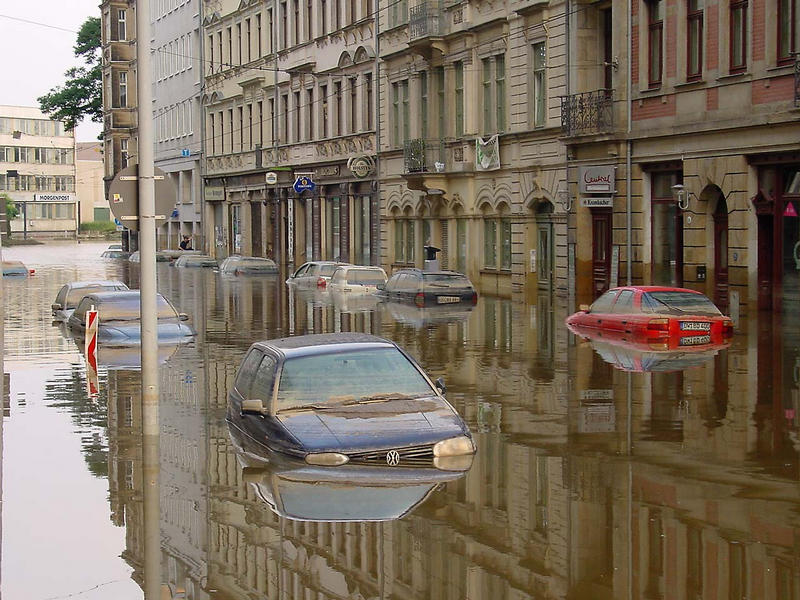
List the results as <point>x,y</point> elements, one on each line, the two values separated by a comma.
<point>601,472</point>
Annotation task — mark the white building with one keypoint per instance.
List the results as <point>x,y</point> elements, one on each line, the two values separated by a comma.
<point>89,188</point>
<point>37,171</point>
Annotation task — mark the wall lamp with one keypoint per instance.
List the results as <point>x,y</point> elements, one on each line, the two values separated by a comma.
<point>682,195</point>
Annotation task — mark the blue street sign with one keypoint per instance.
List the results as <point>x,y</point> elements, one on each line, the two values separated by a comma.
<point>117,222</point>
<point>185,152</point>
<point>304,184</point>
<point>174,213</point>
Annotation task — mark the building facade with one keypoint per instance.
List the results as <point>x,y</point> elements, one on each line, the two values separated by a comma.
<point>177,114</point>
<point>37,171</point>
<point>471,160</point>
<point>92,202</point>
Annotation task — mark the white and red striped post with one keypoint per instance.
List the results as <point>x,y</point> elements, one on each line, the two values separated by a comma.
<point>90,348</point>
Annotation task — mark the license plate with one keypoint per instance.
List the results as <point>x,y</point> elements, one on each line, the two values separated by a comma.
<point>695,326</point>
<point>448,299</point>
<point>695,340</point>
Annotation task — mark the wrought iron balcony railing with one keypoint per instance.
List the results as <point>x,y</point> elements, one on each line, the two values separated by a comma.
<point>424,156</point>
<point>587,113</point>
<point>425,20</point>
<point>797,78</point>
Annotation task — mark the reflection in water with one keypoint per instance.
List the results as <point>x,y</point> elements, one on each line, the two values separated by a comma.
<point>589,481</point>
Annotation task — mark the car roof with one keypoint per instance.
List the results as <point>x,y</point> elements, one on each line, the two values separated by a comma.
<point>323,343</point>
<point>82,284</point>
<point>114,296</point>
<point>654,288</point>
<point>421,272</point>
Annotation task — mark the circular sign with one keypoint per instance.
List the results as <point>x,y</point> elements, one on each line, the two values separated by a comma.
<point>272,178</point>
<point>361,166</point>
<point>123,195</point>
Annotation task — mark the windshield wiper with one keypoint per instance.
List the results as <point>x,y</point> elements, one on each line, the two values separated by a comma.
<point>669,306</point>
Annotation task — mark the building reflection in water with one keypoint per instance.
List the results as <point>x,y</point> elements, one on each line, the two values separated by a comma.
<point>589,481</point>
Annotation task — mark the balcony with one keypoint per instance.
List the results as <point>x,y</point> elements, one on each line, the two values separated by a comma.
<point>424,156</point>
<point>425,20</point>
<point>587,113</point>
<point>797,79</point>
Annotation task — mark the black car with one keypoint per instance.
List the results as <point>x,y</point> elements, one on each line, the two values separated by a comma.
<point>353,398</point>
<point>430,288</point>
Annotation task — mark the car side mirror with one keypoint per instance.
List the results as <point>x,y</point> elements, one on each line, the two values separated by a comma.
<point>183,316</point>
<point>584,307</point>
<point>253,406</point>
<point>56,306</point>
<point>441,386</point>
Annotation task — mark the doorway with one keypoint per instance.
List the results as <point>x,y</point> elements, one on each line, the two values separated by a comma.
<point>601,250</point>
<point>667,231</point>
<point>721,253</point>
<point>545,246</point>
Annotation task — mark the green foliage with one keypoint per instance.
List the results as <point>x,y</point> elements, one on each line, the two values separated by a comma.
<point>104,226</point>
<point>81,94</point>
<point>12,212</point>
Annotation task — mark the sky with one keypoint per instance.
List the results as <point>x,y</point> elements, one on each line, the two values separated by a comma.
<point>35,57</point>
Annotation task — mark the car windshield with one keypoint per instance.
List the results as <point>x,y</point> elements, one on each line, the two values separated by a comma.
<point>255,263</point>
<point>351,376</point>
<point>75,294</point>
<point>679,303</point>
<point>326,270</point>
<point>125,309</point>
<point>365,277</point>
<point>446,280</point>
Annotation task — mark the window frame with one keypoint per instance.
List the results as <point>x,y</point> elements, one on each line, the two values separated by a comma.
<point>655,28</point>
<point>539,85</point>
<point>786,56</point>
<point>694,16</point>
<point>738,42</point>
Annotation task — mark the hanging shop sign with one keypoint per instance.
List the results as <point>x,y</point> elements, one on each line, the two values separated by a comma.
<point>304,183</point>
<point>361,166</point>
<point>596,180</point>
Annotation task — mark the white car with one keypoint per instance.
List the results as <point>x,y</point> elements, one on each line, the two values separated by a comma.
<point>314,274</point>
<point>356,279</point>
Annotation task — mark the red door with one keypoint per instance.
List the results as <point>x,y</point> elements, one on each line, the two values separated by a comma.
<point>601,251</point>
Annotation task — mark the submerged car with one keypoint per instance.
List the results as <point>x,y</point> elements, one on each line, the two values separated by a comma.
<point>296,490</point>
<point>347,398</point>
<point>15,268</point>
<point>426,288</point>
<point>636,359</point>
<point>662,317</point>
<point>136,257</point>
<point>119,319</point>
<point>355,279</point>
<point>195,261</point>
<point>247,265</point>
<point>314,274</point>
<point>115,254</point>
<point>72,293</point>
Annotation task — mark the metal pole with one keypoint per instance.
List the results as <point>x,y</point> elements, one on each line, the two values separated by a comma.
<point>628,152</point>
<point>147,247</point>
<point>376,260</point>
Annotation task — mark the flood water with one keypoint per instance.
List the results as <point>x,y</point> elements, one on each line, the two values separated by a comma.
<point>659,476</point>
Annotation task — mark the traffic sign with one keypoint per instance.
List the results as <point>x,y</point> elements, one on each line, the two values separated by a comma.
<point>124,192</point>
<point>304,184</point>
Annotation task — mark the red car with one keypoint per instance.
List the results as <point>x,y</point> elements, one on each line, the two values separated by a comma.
<point>662,317</point>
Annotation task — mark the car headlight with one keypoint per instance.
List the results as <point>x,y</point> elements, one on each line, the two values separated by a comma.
<point>326,459</point>
<point>454,447</point>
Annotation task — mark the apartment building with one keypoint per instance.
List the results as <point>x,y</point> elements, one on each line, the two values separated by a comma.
<point>700,100</point>
<point>177,66</point>
<point>290,99</point>
<point>470,151</point>
<point>37,171</point>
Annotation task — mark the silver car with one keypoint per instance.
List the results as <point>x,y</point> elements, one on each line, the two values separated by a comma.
<point>70,295</point>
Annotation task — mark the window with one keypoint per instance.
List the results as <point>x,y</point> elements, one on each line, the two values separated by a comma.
<point>296,10</point>
<point>694,39</point>
<point>400,113</point>
<point>122,29</point>
<point>655,40</point>
<point>323,92</point>
<point>323,9</point>
<point>309,19</point>
<point>310,113</point>
<point>505,244</point>
<point>787,23</point>
<point>230,128</point>
<point>459,89</point>
<point>123,89</point>
<point>247,42</point>
<point>210,54</point>
<point>337,101</point>
<point>337,15</point>
<point>539,84</point>
<point>440,102</point>
<point>399,14</point>
<point>285,111</point>
<point>738,36</point>
<point>496,243</point>
<point>239,55</point>
<point>284,25</point>
<point>296,117</point>
<point>490,243</point>
<point>423,103</point>
<point>123,153</point>
<point>353,105</point>
<point>461,245</point>
<point>494,92</point>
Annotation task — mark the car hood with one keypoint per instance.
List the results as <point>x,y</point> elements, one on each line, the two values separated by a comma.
<point>391,424</point>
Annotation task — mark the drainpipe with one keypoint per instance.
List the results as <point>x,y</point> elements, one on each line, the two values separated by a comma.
<point>202,159</point>
<point>628,152</point>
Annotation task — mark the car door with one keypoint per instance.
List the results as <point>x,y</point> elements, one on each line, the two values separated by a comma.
<point>623,316</point>
<point>599,313</point>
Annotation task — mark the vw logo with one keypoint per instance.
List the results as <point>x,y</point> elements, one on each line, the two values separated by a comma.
<point>392,458</point>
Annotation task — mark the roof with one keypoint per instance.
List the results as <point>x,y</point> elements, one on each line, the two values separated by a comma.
<point>324,342</point>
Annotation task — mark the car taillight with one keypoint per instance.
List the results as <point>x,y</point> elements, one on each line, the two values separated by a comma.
<point>474,298</point>
<point>727,328</point>
<point>321,282</point>
<point>659,325</point>
<point>419,299</point>
<point>31,271</point>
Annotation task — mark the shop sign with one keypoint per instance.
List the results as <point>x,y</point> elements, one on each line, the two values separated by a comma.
<point>332,171</point>
<point>361,166</point>
<point>52,197</point>
<point>597,201</point>
<point>304,183</point>
<point>272,178</point>
<point>214,193</point>
<point>596,180</point>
